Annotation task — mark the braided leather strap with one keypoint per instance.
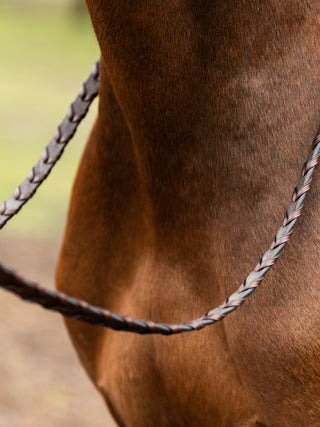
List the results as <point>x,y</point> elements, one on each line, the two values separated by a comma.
<point>53,151</point>
<point>75,308</point>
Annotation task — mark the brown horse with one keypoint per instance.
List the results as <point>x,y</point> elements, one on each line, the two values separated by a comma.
<point>207,111</point>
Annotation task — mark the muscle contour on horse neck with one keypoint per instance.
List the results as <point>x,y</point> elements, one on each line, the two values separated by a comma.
<point>207,111</point>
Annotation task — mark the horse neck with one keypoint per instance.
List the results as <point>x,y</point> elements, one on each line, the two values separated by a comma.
<point>216,99</point>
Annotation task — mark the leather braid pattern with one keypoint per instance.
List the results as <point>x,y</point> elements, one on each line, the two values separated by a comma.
<point>53,151</point>
<point>81,310</point>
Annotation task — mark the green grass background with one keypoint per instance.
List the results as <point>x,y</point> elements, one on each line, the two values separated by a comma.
<point>46,50</point>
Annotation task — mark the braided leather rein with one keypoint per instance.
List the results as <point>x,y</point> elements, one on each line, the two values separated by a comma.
<point>54,150</point>
<point>81,310</point>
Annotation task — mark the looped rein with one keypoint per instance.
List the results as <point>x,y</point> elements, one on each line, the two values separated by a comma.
<point>81,310</point>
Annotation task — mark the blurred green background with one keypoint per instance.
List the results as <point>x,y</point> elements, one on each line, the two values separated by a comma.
<point>47,49</point>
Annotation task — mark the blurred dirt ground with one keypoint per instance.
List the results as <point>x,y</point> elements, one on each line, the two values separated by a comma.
<point>42,382</point>
<point>47,50</point>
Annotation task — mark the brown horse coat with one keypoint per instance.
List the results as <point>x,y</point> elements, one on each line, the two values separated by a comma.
<point>207,111</point>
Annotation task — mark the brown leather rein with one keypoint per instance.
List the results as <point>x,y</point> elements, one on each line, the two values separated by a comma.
<point>81,310</point>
